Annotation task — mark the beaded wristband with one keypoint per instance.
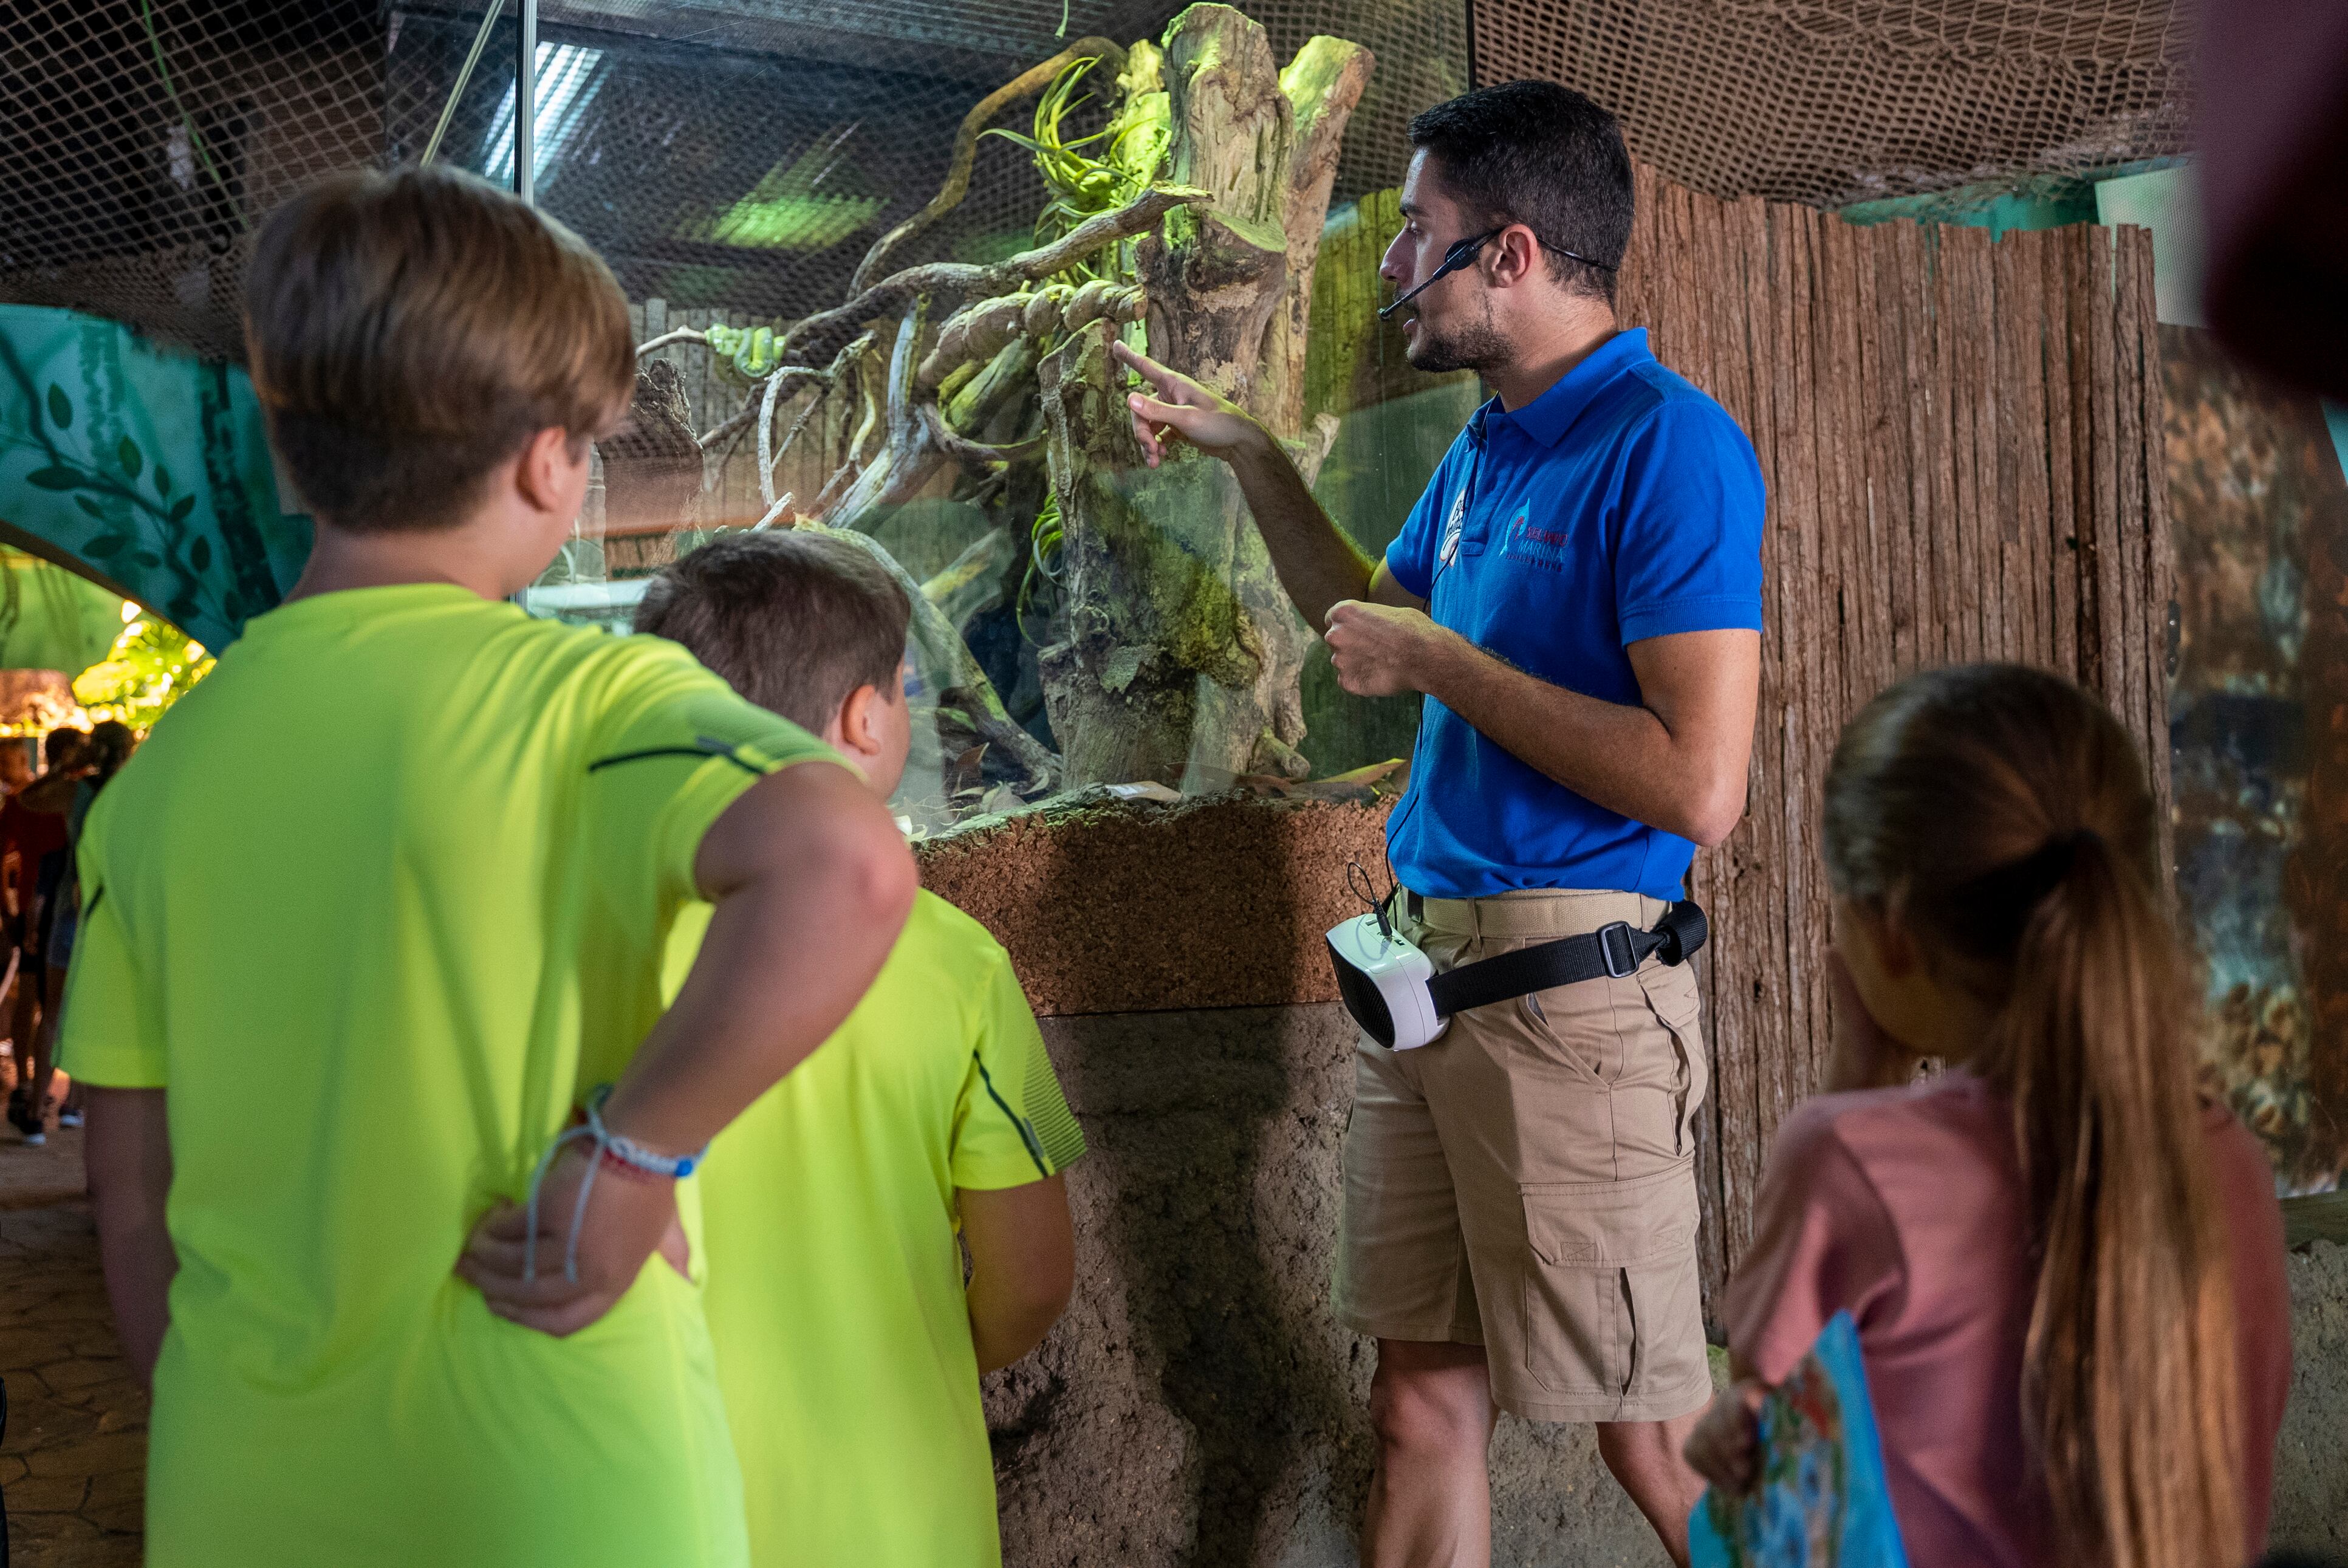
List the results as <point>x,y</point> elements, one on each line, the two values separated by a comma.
<point>636,1160</point>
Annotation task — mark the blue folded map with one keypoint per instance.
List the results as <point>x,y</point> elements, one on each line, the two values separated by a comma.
<point>1822,1498</point>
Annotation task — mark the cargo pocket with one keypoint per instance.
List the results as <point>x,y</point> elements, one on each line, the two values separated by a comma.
<point>1612,1267</point>
<point>1672,994</point>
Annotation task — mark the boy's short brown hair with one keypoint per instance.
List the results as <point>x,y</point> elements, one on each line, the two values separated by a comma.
<point>794,620</point>
<point>410,331</point>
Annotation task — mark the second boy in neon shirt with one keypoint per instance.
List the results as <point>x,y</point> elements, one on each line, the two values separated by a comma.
<point>849,1346</point>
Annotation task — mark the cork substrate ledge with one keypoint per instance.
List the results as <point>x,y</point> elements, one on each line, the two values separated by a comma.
<point>1137,906</point>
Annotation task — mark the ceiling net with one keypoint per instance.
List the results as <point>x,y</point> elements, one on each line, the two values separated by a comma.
<point>1830,102</point>
<point>744,154</point>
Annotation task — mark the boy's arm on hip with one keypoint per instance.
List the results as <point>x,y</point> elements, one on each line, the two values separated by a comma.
<point>809,883</point>
<point>1022,1256</point>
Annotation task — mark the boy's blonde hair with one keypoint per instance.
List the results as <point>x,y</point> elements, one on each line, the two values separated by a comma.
<point>410,331</point>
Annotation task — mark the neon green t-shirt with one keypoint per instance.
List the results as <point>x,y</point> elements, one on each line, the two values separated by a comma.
<point>377,904</point>
<point>835,1291</point>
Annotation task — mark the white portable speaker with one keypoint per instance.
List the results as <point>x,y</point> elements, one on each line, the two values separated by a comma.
<point>1382,977</point>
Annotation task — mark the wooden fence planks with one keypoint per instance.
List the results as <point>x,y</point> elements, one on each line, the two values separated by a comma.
<point>1957,438</point>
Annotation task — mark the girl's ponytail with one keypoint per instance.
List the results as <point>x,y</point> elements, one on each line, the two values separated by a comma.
<point>2129,1368</point>
<point>2007,815</point>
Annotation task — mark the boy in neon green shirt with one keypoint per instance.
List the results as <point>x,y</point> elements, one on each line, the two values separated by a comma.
<point>337,996</point>
<point>847,1343</point>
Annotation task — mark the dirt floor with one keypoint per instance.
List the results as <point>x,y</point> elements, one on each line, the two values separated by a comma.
<point>73,1460</point>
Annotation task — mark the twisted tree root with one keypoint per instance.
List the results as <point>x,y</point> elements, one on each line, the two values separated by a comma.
<point>825,330</point>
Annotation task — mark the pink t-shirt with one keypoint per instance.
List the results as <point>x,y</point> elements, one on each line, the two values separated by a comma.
<point>1905,1206</point>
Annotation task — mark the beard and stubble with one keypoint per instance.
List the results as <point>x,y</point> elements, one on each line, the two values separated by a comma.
<point>1473,344</point>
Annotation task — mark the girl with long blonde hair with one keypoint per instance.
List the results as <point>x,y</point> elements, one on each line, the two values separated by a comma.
<point>2065,1267</point>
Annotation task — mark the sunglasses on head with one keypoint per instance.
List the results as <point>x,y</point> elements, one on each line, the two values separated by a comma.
<point>1460,254</point>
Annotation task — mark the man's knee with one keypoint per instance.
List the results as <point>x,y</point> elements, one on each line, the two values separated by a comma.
<point>1435,1397</point>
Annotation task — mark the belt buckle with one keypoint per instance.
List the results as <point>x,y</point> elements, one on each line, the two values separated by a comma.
<point>1609,936</point>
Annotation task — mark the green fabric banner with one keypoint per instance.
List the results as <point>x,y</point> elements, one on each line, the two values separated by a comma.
<point>142,468</point>
<point>51,619</point>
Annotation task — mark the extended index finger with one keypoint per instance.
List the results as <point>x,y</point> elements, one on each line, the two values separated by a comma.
<point>1171,384</point>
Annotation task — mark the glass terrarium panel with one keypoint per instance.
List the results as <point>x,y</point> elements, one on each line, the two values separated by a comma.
<point>877,257</point>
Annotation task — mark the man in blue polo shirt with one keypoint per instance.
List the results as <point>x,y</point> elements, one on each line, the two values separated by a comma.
<point>1578,594</point>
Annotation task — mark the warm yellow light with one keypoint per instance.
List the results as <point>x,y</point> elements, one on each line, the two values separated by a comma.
<point>195,649</point>
<point>129,611</point>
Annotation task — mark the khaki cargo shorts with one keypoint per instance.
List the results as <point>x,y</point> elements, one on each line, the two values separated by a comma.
<point>1527,1181</point>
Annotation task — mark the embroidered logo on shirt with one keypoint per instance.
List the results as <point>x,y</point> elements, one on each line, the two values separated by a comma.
<point>1453,526</point>
<point>1523,539</point>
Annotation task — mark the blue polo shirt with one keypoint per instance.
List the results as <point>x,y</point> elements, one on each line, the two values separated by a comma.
<point>1619,505</point>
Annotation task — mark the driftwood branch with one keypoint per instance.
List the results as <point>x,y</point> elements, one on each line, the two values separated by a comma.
<point>682,334</point>
<point>974,454</point>
<point>795,376</point>
<point>965,150</point>
<point>821,333</point>
<point>979,331</point>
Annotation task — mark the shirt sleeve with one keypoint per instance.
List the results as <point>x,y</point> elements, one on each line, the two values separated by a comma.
<point>1410,559</point>
<point>673,746</point>
<point>1011,1123</point>
<point>109,1033</point>
<point>1822,1242</point>
<point>1688,554</point>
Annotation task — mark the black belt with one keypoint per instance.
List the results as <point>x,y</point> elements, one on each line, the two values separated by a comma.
<point>1613,951</point>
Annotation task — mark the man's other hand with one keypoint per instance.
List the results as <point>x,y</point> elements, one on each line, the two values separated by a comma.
<point>1183,407</point>
<point>1379,650</point>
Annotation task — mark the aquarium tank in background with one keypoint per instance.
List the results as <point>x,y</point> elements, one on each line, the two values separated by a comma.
<point>876,255</point>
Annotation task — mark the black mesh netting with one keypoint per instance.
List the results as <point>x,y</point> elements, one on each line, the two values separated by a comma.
<point>744,154</point>
<point>1834,101</point>
<point>740,154</point>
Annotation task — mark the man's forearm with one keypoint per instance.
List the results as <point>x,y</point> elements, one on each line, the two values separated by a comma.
<point>1318,565</point>
<point>1616,756</point>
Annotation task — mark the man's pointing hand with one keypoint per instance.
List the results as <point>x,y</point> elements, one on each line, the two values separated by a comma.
<point>1184,409</point>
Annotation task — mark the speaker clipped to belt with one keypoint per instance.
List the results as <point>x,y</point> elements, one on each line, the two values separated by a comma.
<point>1393,991</point>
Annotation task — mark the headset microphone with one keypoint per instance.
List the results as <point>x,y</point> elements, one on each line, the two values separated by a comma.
<point>1456,257</point>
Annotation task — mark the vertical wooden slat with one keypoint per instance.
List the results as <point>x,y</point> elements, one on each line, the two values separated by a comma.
<point>1884,368</point>
<point>2107,560</point>
<point>1914,271</point>
<point>1816,689</point>
<point>1753,980</point>
<point>1938,389</point>
<point>2022,440</point>
<point>2067,466</point>
<point>2161,553</point>
<point>2129,502</point>
<point>1841,453</point>
<point>1961,331</point>
<point>1982,376</point>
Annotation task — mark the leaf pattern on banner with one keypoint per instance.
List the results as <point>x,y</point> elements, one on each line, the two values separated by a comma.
<point>98,430</point>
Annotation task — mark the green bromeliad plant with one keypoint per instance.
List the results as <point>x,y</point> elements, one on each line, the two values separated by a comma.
<point>1102,171</point>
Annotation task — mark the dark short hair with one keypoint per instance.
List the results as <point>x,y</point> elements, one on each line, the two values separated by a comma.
<point>1544,155</point>
<point>794,619</point>
<point>408,331</point>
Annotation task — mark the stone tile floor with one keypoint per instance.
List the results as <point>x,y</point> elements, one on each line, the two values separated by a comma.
<point>73,1463</point>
